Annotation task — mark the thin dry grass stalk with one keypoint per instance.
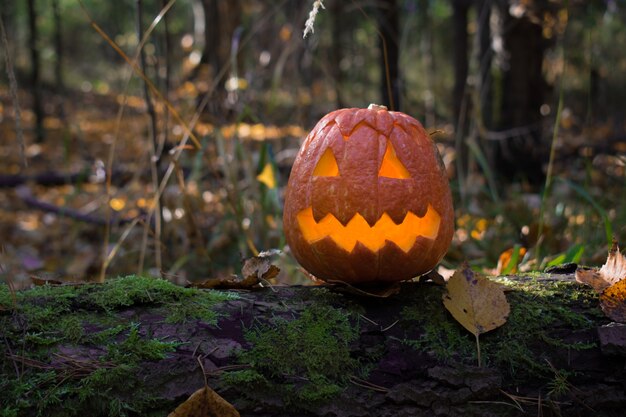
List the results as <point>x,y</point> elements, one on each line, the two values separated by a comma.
<point>310,22</point>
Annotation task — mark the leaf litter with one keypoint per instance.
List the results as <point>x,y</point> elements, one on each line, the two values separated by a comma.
<point>610,282</point>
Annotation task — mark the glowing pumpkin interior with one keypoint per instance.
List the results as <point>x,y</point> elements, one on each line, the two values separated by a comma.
<point>357,229</point>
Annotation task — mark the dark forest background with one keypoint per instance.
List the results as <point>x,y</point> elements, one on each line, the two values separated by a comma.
<point>156,137</point>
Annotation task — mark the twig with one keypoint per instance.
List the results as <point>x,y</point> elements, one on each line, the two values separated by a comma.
<point>369,320</point>
<point>366,384</point>
<point>228,368</point>
<point>24,193</point>
<point>10,355</point>
<point>390,326</point>
<point>154,157</point>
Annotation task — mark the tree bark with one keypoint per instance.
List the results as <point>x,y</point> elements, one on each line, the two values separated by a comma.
<point>221,18</point>
<point>555,355</point>
<point>34,71</point>
<point>336,13</point>
<point>427,61</point>
<point>58,48</point>
<point>483,11</point>
<point>460,95</point>
<point>388,26</point>
<point>461,61</point>
<point>524,90</point>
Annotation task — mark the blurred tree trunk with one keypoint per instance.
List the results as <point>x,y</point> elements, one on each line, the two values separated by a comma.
<point>460,96</point>
<point>34,74</point>
<point>427,61</point>
<point>7,14</point>
<point>388,25</point>
<point>336,50</point>
<point>483,12</point>
<point>58,48</point>
<point>59,83</point>
<point>221,20</point>
<point>505,105</point>
<point>518,153</point>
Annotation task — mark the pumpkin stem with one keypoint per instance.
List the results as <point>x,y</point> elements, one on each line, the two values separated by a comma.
<point>376,107</point>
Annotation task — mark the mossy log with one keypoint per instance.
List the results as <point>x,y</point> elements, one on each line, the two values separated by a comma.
<point>133,347</point>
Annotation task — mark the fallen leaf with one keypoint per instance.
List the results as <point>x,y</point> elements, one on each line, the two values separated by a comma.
<point>510,259</point>
<point>613,301</point>
<point>477,303</point>
<point>205,403</point>
<point>254,270</point>
<point>613,271</point>
<point>260,267</point>
<point>40,281</point>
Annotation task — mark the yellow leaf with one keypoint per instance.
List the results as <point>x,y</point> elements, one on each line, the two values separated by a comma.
<point>476,302</point>
<point>504,261</point>
<point>612,272</point>
<point>267,176</point>
<point>613,301</point>
<point>205,403</point>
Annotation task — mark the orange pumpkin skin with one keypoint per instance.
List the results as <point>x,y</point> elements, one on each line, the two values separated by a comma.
<point>368,199</point>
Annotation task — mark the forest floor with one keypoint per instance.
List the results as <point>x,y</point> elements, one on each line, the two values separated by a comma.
<point>53,212</point>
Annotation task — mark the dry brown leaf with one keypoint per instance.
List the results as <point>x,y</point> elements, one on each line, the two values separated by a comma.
<point>260,267</point>
<point>40,281</point>
<point>476,302</point>
<point>205,403</point>
<point>254,270</point>
<point>613,301</point>
<point>613,271</point>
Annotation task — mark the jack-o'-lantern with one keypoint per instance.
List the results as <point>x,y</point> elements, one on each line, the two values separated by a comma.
<point>368,199</point>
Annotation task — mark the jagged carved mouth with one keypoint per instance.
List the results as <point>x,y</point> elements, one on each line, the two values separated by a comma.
<point>372,237</point>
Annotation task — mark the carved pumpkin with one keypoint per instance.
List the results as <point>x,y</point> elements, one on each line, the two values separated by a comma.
<point>368,199</point>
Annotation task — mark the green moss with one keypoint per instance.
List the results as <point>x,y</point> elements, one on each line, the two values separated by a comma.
<point>101,337</point>
<point>440,335</point>
<point>133,290</point>
<point>518,345</point>
<point>306,360</point>
<point>198,306</point>
<point>136,348</point>
<point>535,310</point>
<point>6,298</point>
<point>47,317</point>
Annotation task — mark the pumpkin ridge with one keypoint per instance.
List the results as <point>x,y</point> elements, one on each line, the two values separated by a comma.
<point>359,125</point>
<point>318,129</point>
<point>405,129</point>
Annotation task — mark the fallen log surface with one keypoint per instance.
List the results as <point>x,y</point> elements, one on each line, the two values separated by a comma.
<point>139,347</point>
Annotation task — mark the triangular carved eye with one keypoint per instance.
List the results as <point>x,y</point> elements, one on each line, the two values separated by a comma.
<point>327,165</point>
<point>391,166</point>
